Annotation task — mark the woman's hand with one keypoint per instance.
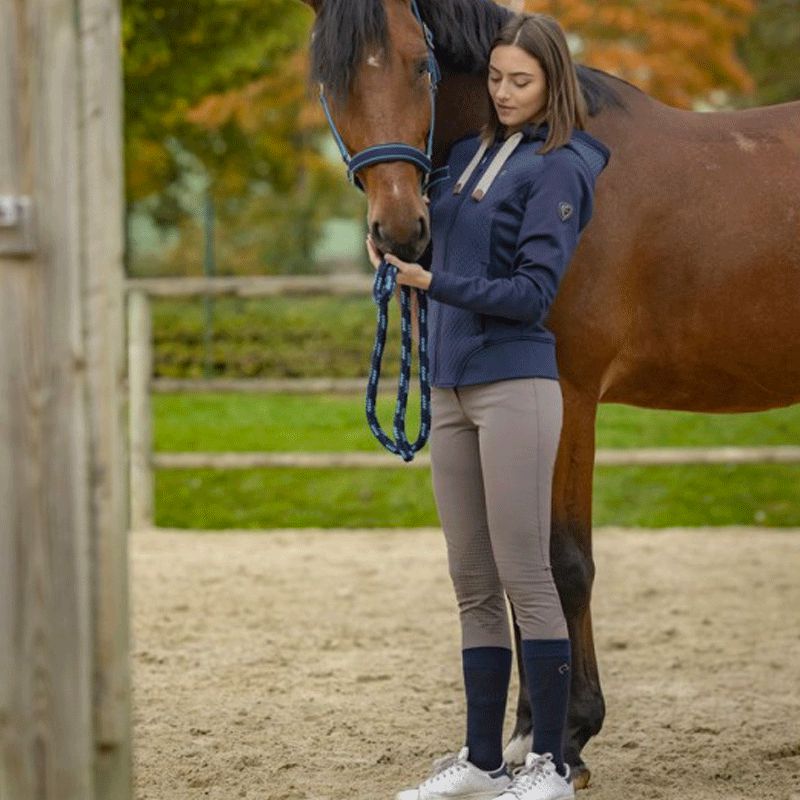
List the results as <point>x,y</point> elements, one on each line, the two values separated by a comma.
<point>375,260</point>
<point>372,252</point>
<point>407,274</point>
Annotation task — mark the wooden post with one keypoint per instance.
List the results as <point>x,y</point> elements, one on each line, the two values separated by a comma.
<point>140,367</point>
<point>64,727</point>
<point>103,205</point>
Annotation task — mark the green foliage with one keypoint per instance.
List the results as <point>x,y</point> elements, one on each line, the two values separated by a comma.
<point>175,54</point>
<point>278,337</point>
<point>772,51</point>
<point>216,95</point>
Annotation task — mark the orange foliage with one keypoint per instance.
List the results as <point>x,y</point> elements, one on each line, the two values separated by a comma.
<point>251,106</point>
<point>680,51</point>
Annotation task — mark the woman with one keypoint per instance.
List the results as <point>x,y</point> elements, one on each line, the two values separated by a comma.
<point>504,226</point>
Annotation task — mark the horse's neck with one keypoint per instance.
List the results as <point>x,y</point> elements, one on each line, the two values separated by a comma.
<point>462,107</point>
<point>641,126</point>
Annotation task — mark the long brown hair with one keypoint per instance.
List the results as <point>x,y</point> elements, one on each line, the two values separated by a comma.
<point>542,37</point>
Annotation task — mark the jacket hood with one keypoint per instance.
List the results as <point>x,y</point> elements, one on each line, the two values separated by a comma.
<point>592,151</point>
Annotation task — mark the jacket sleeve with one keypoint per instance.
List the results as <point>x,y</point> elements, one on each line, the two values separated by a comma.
<point>557,207</point>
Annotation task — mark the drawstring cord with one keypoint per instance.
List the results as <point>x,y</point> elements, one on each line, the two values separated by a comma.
<point>492,172</point>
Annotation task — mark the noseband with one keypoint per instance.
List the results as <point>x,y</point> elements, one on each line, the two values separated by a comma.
<point>386,278</point>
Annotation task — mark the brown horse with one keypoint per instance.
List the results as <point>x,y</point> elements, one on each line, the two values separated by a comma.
<point>684,292</point>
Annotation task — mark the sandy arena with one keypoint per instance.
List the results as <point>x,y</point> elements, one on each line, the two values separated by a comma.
<point>314,665</point>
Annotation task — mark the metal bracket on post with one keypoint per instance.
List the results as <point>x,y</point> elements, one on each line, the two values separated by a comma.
<point>16,226</point>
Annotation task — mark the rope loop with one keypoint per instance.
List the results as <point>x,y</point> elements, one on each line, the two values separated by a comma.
<point>385,282</point>
<point>382,291</point>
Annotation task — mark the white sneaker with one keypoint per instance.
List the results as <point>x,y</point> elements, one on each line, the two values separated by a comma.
<point>538,779</point>
<point>455,776</point>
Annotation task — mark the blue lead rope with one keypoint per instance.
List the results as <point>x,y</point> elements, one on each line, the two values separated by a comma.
<point>382,291</point>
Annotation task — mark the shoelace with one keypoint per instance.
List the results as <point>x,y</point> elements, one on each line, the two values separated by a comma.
<point>527,776</point>
<point>446,764</point>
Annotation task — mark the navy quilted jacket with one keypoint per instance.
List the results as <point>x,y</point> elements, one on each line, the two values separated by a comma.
<point>497,262</point>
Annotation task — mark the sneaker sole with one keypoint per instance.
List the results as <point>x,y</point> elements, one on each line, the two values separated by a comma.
<point>480,796</point>
<point>560,797</point>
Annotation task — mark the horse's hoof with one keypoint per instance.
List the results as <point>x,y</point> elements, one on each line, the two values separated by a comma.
<point>516,750</point>
<point>580,776</point>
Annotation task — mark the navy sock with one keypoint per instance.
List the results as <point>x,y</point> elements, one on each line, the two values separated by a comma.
<point>486,675</point>
<point>547,673</point>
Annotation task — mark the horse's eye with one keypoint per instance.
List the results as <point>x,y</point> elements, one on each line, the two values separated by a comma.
<point>422,67</point>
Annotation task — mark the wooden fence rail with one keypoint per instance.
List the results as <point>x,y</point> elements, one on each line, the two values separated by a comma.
<point>347,283</point>
<point>649,457</point>
<point>140,352</point>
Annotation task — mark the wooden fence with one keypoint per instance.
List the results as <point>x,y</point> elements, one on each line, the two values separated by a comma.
<point>140,353</point>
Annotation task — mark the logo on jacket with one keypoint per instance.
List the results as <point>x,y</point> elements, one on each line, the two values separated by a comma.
<point>564,211</point>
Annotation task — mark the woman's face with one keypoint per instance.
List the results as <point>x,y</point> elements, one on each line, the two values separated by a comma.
<point>517,86</point>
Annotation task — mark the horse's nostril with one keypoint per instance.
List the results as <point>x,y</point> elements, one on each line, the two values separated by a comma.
<point>377,233</point>
<point>422,227</point>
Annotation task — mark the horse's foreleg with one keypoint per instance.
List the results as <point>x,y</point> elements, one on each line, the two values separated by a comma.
<point>521,741</point>
<point>573,571</point>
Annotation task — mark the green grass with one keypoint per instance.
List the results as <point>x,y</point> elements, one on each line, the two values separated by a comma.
<point>659,497</point>
<point>268,498</point>
<point>649,496</point>
<point>624,426</point>
<point>270,422</point>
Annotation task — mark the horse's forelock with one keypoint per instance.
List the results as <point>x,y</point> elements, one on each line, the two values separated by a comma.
<point>343,31</point>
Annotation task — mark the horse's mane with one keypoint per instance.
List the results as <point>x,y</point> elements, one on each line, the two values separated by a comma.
<point>599,91</point>
<point>463,32</point>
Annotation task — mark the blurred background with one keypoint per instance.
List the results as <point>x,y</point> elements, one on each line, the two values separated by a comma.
<point>231,170</point>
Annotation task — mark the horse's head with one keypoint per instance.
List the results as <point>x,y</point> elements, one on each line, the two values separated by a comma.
<point>375,72</point>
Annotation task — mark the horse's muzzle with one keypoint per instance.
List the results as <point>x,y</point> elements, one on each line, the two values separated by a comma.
<point>407,242</point>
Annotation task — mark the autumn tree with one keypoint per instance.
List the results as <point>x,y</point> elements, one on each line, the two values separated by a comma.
<point>219,88</point>
<point>680,51</point>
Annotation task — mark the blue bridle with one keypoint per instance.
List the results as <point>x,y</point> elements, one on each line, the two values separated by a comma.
<point>386,278</point>
<point>392,151</point>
